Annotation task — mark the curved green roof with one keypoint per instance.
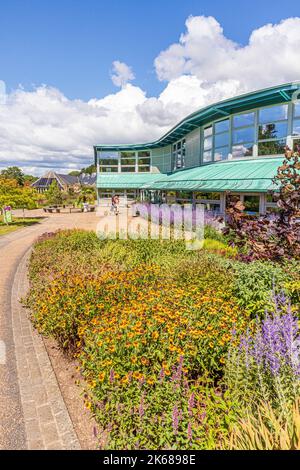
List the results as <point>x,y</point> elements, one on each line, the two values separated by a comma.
<point>247,176</point>
<point>265,97</point>
<point>254,175</point>
<point>126,180</point>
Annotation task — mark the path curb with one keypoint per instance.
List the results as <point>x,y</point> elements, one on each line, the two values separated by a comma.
<point>47,421</point>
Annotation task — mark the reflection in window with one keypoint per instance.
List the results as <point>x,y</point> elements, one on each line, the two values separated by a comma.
<point>272,131</point>
<point>211,196</point>
<point>243,135</point>
<point>296,127</point>
<point>207,145</point>
<point>144,162</point>
<point>242,150</point>
<point>275,147</point>
<point>207,131</point>
<point>179,154</point>
<point>251,204</point>
<point>221,139</point>
<point>297,110</point>
<point>221,153</point>
<point>128,169</point>
<point>222,126</point>
<point>108,169</point>
<point>243,120</point>
<point>207,156</point>
<point>275,113</point>
<point>108,162</point>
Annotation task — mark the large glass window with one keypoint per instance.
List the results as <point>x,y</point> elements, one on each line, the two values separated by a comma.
<point>296,119</point>
<point>144,161</point>
<point>207,144</point>
<point>108,162</point>
<point>243,135</point>
<point>272,114</point>
<point>128,160</point>
<point>179,154</point>
<point>243,120</point>
<point>221,140</point>
<point>251,204</point>
<point>272,130</point>
<point>273,147</point>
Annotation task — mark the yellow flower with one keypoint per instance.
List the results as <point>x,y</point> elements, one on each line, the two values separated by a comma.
<point>101,376</point>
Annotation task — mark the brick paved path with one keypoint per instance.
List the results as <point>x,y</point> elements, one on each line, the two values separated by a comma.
<point>32,411</point>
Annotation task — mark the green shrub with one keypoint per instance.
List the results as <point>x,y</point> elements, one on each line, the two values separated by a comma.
<point>253,285</point>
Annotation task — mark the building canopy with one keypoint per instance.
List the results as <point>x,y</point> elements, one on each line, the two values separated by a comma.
<point>247,176</point>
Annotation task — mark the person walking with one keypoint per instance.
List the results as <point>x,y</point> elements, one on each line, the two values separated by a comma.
<point>115,204</point>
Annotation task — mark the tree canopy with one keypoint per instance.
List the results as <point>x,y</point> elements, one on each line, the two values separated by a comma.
<point>16,196</point>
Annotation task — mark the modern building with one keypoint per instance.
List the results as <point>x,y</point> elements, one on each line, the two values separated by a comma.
<point>64,182</point>
<point>233,146</point>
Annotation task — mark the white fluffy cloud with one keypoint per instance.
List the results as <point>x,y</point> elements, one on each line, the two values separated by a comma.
<point>43,129</point>
<point>272,54</point>
<point>122,73</point>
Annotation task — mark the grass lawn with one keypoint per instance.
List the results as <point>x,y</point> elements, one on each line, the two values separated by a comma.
<point>18,223</point>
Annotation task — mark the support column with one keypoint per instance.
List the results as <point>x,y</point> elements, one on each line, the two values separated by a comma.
<point>262,203</point>
<point>223,203</point>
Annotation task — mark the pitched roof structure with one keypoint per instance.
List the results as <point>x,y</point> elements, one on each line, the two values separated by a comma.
<point>63,181</point>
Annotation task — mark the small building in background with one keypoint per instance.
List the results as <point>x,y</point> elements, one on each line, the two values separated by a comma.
<point>64,182</point>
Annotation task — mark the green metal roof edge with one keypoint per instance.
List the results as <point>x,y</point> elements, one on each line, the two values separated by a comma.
<point>263,97</point>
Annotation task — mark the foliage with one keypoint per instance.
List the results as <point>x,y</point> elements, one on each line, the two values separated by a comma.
<point>270,238</point>
<point>133,341</point>
<point>16,196</point>
<point>265,430</point>
<point>54,195</point>
<point>266,364</point>
<point>13,173</point>
<point>150,325</point>
<point>254,283</point>
<point>216,246</point>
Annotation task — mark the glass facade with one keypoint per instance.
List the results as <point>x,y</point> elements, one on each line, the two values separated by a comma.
<point>108,162</point>
<point>255,133</point>
<point>178,154</point>
<point>124,162</point>
<point>263,131</point>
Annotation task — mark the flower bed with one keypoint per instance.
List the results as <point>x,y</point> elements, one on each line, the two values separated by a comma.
<point>150,324</point>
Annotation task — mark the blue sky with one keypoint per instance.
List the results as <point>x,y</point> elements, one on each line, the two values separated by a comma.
<point>71,44</point>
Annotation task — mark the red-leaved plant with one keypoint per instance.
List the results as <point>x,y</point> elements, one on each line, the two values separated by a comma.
<point>270,237</point>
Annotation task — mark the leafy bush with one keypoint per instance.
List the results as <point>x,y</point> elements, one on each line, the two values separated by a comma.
<point>270,238</point>
<point>254,283</point>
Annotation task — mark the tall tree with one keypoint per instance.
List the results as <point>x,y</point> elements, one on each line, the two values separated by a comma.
<point>54,195</point>
<point>16,196</point>
<point>14,173</point>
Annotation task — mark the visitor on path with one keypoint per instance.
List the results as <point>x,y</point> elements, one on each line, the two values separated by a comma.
<point>115,204</point>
